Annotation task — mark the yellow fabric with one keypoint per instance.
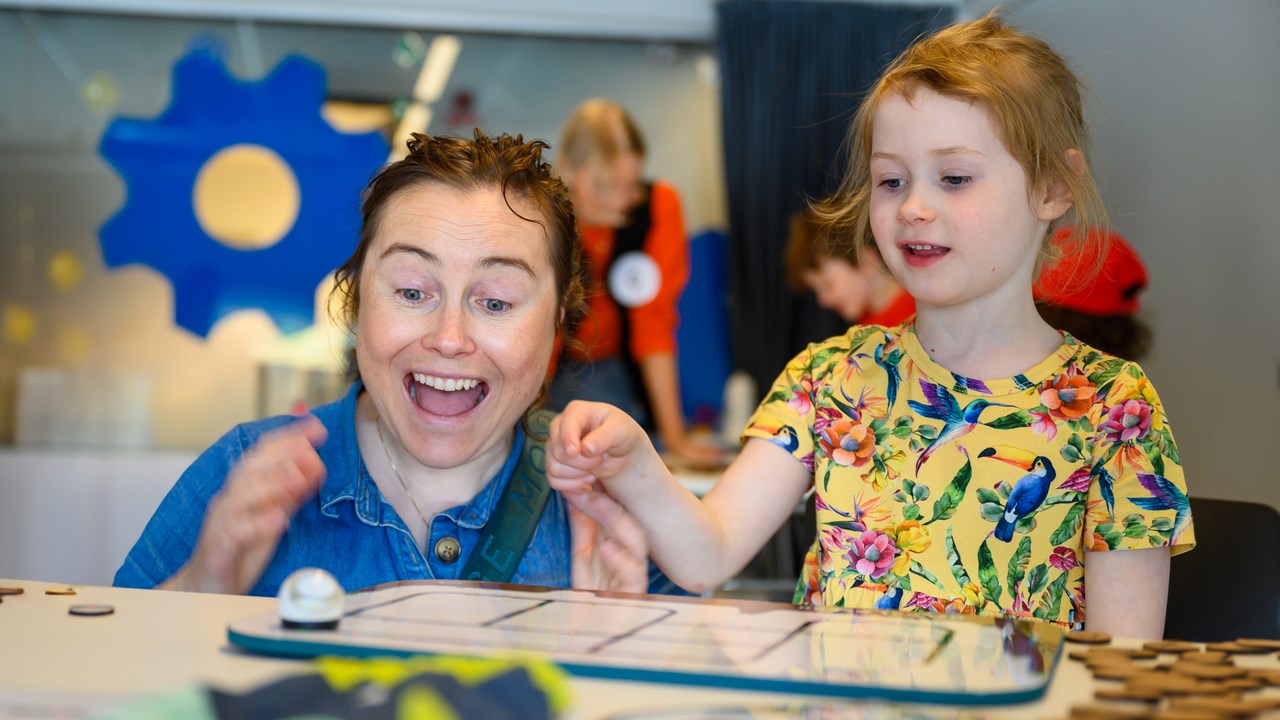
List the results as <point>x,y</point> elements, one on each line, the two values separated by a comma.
<point>914,465</point>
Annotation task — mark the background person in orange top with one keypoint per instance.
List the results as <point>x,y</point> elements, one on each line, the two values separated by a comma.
<point>856,287</point>
<point>1096,300</point>
<point>634,237</point>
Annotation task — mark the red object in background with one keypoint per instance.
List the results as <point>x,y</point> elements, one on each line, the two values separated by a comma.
<point>1071,283</point>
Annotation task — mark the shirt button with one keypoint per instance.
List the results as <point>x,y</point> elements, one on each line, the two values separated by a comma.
<point>448,549</point>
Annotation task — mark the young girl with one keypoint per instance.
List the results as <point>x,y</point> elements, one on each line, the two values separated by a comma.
<point>974,460</point>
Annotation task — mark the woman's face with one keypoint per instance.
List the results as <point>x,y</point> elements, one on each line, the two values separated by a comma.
<point>605,191</point>
<point>457,321</point>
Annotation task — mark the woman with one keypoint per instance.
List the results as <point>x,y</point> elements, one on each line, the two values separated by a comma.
<point>467,269</point>
<point>634,238</point>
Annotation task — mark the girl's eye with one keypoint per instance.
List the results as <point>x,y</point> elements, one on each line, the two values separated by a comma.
<point>891,183</point>
<point>494,305</point>
<point>412,295</point>
<point>957,180</point>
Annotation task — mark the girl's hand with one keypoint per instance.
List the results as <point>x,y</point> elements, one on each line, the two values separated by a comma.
<point>609,547</point>
<point>247,517</point>
<point>591,442</point>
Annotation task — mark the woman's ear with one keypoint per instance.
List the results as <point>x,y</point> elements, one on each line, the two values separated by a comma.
<point>1056,199</point>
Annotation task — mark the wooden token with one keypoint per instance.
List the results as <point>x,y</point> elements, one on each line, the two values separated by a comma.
<point>1266,675</point>
<point>60,591</point>
<point>1206,656</point>
<point>91,609</point>
<point>1224,707</point>
<point>1184,715</point>
<point>1117,672</point>
<point>1243,683</point>
<point>1098,711</point>
<point>1235,648</point>
<point>1171,646</point>
<point>1272,645</point>
<point>1206,671</point>
<point>11,591</point>
<point>1088,637</point>
<point>1164,683</point>
<point>1136,694</point>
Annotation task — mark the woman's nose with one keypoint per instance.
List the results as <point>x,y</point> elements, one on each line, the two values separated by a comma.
<point>450,334</point>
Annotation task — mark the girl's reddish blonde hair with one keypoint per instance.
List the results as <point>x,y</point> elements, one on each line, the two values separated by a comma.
<point>1033,98</point>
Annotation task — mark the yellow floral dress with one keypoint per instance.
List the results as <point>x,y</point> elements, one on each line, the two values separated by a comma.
<point>944,493</point>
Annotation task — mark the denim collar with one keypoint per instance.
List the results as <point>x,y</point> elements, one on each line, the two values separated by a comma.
<point>349,479</point>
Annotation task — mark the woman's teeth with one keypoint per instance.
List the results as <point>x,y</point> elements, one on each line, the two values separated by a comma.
<point>448,385</point>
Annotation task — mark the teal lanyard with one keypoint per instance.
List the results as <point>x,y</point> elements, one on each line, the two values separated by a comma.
<point>507,534</point>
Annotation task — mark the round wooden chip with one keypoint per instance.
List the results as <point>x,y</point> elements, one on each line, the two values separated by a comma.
<point>1222,706</point>
<point>1185,715</point>
<point>1216,657</point>
<point>1137,694</point>
<point>60,591</point>
<point>11,591</point>
<point>1207,671</point>
<point>1171,646</point>
<point>1235,648</point>
<point>1273,645</point>
<point>1088,637</point>
<point>1108,712</point>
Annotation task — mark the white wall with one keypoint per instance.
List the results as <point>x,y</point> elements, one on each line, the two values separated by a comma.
<point>1187,131</point>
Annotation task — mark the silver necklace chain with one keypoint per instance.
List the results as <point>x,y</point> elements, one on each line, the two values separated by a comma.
<point>378,424</point>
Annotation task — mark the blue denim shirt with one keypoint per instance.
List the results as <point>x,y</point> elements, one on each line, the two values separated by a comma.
<point>348,528</point>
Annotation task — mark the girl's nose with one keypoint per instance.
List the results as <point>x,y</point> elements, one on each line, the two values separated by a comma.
<point>916,207</point>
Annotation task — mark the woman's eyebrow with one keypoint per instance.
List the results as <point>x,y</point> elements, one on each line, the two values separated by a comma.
<point>394,248</point>
<point>507,261</point>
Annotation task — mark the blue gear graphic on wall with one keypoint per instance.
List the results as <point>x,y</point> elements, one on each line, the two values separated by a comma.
<point>160,160</point>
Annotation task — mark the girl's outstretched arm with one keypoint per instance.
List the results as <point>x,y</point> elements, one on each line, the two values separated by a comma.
<point>1125,592</point>
<point>699,544</point>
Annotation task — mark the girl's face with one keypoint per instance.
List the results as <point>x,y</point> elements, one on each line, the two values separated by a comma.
<point>841,287</point>
<point>950,207</point>
<point>457,321</point>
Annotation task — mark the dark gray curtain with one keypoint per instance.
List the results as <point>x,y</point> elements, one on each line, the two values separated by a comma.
<point>793,73</point>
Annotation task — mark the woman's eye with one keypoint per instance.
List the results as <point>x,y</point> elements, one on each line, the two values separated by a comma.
<point>495,305</point>
<point>412,295</point>
<point>956,179</point>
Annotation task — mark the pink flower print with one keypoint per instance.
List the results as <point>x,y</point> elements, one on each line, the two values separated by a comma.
<point>1130,420</point>
<point>1044,424</point>
<point>1078,481</point>
<point>1064,558</point>
<point>872,553</point>
<point>800,393</point>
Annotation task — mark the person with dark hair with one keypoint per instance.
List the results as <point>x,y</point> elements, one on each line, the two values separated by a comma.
<point>852,282</point>
<point>637,254</point>
<point>1096,300</point>
<point>467,270</point>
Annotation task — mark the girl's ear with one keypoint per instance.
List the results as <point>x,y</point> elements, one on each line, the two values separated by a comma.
<point>1056,199</point>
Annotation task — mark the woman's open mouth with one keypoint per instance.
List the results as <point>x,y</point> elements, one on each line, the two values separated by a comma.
<point>446,396</point>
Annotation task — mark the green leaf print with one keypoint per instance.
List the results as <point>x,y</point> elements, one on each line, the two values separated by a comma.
<point>1071,454</point>
<point>916,444</point>
<point>987,574</point>
<point>1162,524</point>
<point>991,512</point>
<point>1037,579</point>
<point>902,432</point>
<point>1080,424</point>
<point>923,572</point>
<point>826,476</point>
<point>1135,531</point>
<point>1013,420</point>
<point>911,512</point>
<point>1167,447</point>
<point>1003,489</point>
<point>1153,454</point>
<point>945,506</point>
<point>1109,534</point>
<point>1071,523</point>
<point>880,428</point>
<point>1106,371</point>
<point>1051,602</point>
<point>1019,561</point>
<point>927,433</point>
<point>920,493</point>
<point>1026,524</point>
<point>824,356</point>
<point>1134,372</point>
<point>777,396</point>
<point>1062,498</point>
<point>987,495</point>
<point>953,559</point>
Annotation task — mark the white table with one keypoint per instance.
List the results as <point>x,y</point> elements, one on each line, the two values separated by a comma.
<point>157,641</point>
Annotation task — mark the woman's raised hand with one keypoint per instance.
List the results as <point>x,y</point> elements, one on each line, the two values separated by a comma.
<point>609,547</point>
<point>246,518</point>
